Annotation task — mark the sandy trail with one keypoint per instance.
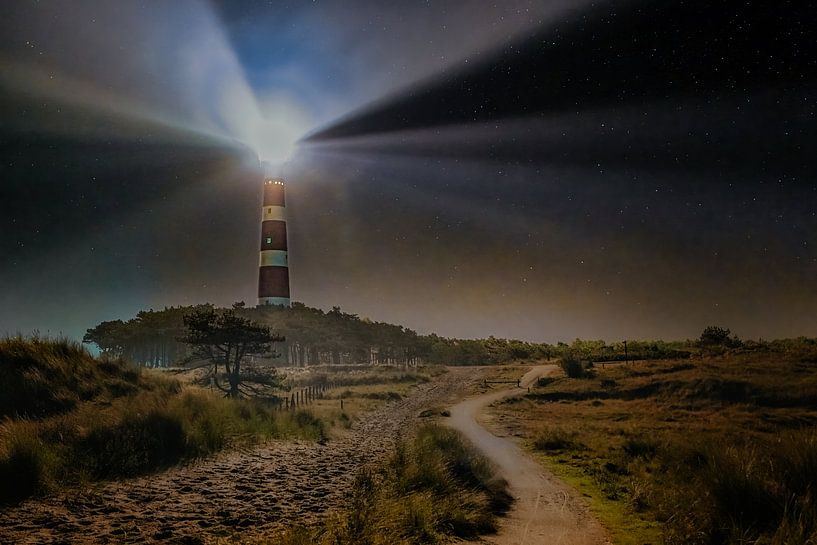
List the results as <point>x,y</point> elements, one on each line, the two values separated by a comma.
<point>250,492</point>
<point>546,511</point>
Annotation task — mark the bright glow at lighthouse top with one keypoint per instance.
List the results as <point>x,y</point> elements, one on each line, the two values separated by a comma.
<point>273,136</point>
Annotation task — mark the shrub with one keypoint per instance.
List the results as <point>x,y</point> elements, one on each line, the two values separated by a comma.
<point>541,382</point>
<point>572,366</point>
<point>714,336</point>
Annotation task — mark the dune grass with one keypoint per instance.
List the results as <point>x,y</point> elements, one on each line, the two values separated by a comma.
<point>68,418</point>
<point>94,419</point>
<point>40,377</point>
<point>716,450</point>
<point>435,488</point>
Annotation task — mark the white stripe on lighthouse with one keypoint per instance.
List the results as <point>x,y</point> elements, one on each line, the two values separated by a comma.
<point>273,257</point>
<point>279,301</point>
<point>274,213</point>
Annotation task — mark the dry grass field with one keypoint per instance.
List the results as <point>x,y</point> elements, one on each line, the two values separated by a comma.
<point>710,449</point>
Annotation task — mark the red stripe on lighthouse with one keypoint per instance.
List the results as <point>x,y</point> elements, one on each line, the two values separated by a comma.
<point>273,194</point>
<point>273,235</point>
<point>273,281</point>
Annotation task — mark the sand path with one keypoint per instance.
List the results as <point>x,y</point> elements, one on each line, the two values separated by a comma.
<point>546,511</point>
<point>249,492</point>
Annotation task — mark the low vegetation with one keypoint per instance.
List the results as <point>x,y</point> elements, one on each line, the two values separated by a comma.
<point>715,449</point>
<point>40,378</point>
<point>572,366</point>
<point>69,418</point>
<point>360,375</point>
<point>314,337</point>
<point>436,488</point>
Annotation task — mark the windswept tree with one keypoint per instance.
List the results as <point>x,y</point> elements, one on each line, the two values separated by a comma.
<point>226,340</point>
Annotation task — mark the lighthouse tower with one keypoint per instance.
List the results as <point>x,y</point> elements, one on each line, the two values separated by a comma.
<point>273,272</point>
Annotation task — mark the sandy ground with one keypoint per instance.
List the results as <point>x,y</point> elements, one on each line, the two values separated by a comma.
<point>546,512</point>
<point>245,493</point>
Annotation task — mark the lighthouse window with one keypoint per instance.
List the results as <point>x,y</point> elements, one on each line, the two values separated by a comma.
<point>269,240</point>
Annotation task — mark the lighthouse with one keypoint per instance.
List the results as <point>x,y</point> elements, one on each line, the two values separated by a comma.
<point>273,267</point>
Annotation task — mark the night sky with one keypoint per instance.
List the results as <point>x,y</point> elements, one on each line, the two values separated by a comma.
<point>542,170</point>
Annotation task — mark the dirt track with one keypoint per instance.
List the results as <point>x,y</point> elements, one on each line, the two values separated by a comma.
<point>248,492</point>
<point>545,511</point>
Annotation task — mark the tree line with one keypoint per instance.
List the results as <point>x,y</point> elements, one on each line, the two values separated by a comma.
<point>310,336</point>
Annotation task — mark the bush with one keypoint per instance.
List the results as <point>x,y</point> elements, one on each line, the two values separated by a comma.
<point>572,366</point>
<point>714,336</point>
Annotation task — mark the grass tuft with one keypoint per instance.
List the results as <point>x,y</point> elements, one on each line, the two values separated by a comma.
<point>552,439</point>
<point>434,489</point>
<point>27,464</point>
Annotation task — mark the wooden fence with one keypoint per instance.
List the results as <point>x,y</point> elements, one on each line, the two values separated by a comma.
<point>306,395</point>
